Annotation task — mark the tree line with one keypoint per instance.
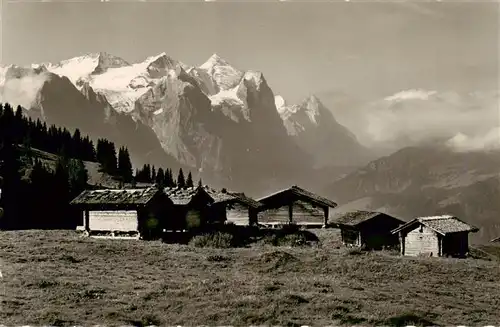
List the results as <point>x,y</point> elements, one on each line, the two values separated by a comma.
<point>36,192</point>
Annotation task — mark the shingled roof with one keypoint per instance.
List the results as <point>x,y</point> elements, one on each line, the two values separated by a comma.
<point>354,218</point>
<point>183,195</point>
<point>443,225</point>
<point>116,196</point>
<point>301,193</point>
<point>242,198</point>
<point>218,196</point>
<point>227,196</point>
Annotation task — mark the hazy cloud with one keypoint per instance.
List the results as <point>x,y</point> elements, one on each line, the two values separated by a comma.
<point>411,117</point>
<point>486,141</point>
<point>22,91</point>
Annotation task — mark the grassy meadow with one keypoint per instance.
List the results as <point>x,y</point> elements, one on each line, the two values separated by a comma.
<point>58,278</point>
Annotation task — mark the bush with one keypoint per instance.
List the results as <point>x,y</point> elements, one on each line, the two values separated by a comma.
<point>291,236</point>
<point>213,240</point>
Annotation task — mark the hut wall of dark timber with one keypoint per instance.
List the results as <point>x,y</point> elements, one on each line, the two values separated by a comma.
<point>218,214</point>
<point>189,211</point>
<point>369,229</point>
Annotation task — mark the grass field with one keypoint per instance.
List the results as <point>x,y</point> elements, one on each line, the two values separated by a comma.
<point>58,278</point>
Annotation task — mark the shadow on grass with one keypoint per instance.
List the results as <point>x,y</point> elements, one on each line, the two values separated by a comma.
<point>146,320</point>
<point>408,319</point>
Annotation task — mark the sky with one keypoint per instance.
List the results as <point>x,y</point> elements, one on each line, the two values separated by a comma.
<point>364,49</point>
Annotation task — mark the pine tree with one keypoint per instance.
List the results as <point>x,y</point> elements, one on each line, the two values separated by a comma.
<point>61,190</point>
<point>153,175</point>
<point>125,170</point>
<point>78,176</point>
<point>189,180</point>
<point>160,178</point>
<point>181,181</point>
<point>200,184</point>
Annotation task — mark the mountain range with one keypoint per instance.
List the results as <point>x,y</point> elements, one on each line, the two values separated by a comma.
<point>220,122</point>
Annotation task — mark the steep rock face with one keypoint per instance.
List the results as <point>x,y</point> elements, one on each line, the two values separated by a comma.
<point>428,180</point>
<point>177,111</point>
<point>236,141</point>
<point>317,132</point>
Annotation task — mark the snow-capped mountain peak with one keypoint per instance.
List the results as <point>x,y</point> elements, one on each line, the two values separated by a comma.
<point>224,76</point>
<point>214,60</point>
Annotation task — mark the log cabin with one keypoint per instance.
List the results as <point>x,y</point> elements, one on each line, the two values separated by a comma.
<point>435,236</point>
<point>191,208</point>
<point>294,205</point>
<point>233,207</point>
<point>369,229</point>
<point>122,213</point>
<point>242,210</point>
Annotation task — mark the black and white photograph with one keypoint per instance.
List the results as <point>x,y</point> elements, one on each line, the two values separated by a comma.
<point>249,163</point>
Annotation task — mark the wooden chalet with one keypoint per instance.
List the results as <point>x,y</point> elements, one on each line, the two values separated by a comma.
<point>191,208</point>
<point>243,210</point>
<point>294,205</point>
<point>435,236</point>
<point>232,207</point>
<point>367,228</point>
<point>122,212</point>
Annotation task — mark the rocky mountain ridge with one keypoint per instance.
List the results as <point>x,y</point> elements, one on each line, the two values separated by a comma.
<point>214,119</point>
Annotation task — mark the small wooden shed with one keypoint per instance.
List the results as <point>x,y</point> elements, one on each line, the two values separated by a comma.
<point>367,228</point>
<point>242,210</point>
<point>233,207</point>
<point>123,212</point>
<point>435,236</point>
<point>294,205</point>
<point>191,207</point>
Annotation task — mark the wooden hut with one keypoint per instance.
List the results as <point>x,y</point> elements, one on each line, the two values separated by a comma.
<point>233,207</point>
<point>435,236</point>
<point>123,212</point>
<point>191,208</point>
<point>294,205</point>
<point>367,228</point>
<point>242,210</point>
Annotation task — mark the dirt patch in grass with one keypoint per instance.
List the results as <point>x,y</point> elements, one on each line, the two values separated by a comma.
<point>59,279</point>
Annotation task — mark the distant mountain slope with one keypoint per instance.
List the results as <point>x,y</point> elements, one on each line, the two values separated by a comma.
<point>427,181</point>
<point>317,132</point>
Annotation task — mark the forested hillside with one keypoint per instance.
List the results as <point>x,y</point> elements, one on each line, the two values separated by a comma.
<point>43,167</point>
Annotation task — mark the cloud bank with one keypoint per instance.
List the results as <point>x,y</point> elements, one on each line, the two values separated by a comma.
<point>467,121</point>
<point>21,90</point>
